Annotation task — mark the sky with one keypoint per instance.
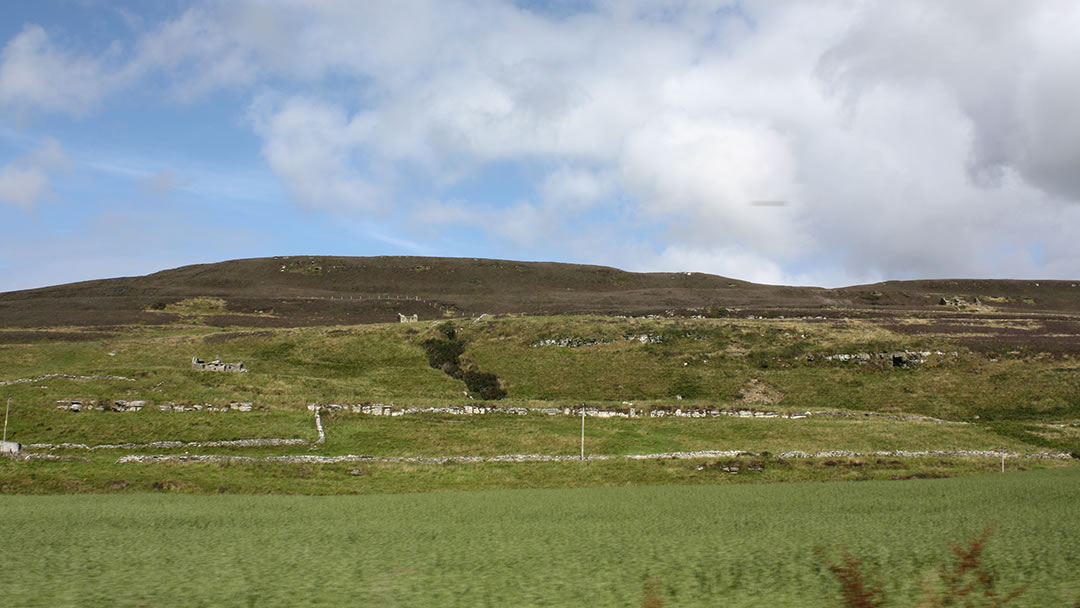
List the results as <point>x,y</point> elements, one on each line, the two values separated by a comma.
<point>829,143</point>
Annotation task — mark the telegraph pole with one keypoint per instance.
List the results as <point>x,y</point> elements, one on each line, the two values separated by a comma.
<point>583,431</point>
<point>8,409</point>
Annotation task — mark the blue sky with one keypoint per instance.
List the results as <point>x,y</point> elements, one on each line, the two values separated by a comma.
<point>904,140</point>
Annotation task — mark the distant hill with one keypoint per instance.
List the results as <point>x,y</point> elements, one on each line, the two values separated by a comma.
<point>322,290</point>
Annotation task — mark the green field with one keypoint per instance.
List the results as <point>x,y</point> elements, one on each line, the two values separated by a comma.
<point>702,545</point>
<point>850,453</point>
<point>1025,402</point>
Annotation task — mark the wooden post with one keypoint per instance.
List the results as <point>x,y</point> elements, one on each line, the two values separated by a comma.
<point>6,410</point>
<point>583,431</point>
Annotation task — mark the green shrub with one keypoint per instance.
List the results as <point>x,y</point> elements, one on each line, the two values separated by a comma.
<point>484,384</point>
<point>444,352</point>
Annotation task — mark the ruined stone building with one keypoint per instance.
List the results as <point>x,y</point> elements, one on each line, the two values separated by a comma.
<point>216,365</point>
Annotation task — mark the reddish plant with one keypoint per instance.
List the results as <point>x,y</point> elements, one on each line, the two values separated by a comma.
<point>856,588</point>
<point>968,577</point>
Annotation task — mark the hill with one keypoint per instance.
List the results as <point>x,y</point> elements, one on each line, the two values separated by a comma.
<point>320,290</point>
<point>886,381</point>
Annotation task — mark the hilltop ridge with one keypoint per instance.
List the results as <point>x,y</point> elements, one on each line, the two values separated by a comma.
<point>330,290</point>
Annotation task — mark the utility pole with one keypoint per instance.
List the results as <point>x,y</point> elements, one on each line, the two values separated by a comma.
<point>8,409</point>
<point>1002,449</point>
<point>583,431</point>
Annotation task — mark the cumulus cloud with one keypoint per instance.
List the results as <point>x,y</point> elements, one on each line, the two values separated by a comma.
<point>311,144</point>
<point>906,139</point>
<point>26,181</point>
<point>1005,64</point>
<point>36,74</point>
<point>576,188</point>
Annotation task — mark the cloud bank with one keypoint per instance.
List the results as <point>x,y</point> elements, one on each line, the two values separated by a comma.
<point>905,140</point>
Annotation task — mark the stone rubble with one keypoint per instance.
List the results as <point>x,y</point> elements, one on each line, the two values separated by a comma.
<point>63,377</point>
<point>572,342</point>
<point>899,358</point>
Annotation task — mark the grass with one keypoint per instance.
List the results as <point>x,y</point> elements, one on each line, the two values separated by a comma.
<point>727,362</point>
<point>704,545</point>
<point>708,361</point>
<point>489,435</point>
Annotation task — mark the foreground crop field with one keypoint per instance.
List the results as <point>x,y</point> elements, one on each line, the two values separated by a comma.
<point>705,545</point>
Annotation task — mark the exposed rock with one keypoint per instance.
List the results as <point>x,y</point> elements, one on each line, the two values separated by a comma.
<point>758,393</point>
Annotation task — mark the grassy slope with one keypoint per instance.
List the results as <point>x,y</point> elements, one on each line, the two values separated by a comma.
<point>1025,402</point>
<point>1009,369</point>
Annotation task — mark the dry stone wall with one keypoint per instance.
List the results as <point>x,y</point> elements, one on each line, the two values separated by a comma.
<point>655,411</point>
<point>122,405</point>
<point>160,445</point>
<point>63,377</point>
<point>314,459</point>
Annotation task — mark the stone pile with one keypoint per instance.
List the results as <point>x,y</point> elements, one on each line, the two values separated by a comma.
<point>105,405</point>
<point>900,358</point>
<point>574,342</point>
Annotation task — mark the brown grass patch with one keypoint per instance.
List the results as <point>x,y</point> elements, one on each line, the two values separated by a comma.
<point>758,393</point>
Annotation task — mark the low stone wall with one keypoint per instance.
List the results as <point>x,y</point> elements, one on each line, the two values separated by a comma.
<point>122,405</point>
<point>312,459</point>
<point>383,409</point>
<point>63,377</point>
<point>656,411</point>
<point>225,443</point>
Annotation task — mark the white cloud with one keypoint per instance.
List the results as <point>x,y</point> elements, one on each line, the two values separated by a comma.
<point>576,188</point>
<point>310,144</point>
<point>35,74</point>
<point>522,224</point>
<point>704,172</point>
<point>1007,66</point>
<point>908,139</point>
<point>23,186</point>
<point>26,181</point>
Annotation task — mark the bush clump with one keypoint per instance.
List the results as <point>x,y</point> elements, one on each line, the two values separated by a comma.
<point>444,353</point>
<point>484,384</point>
